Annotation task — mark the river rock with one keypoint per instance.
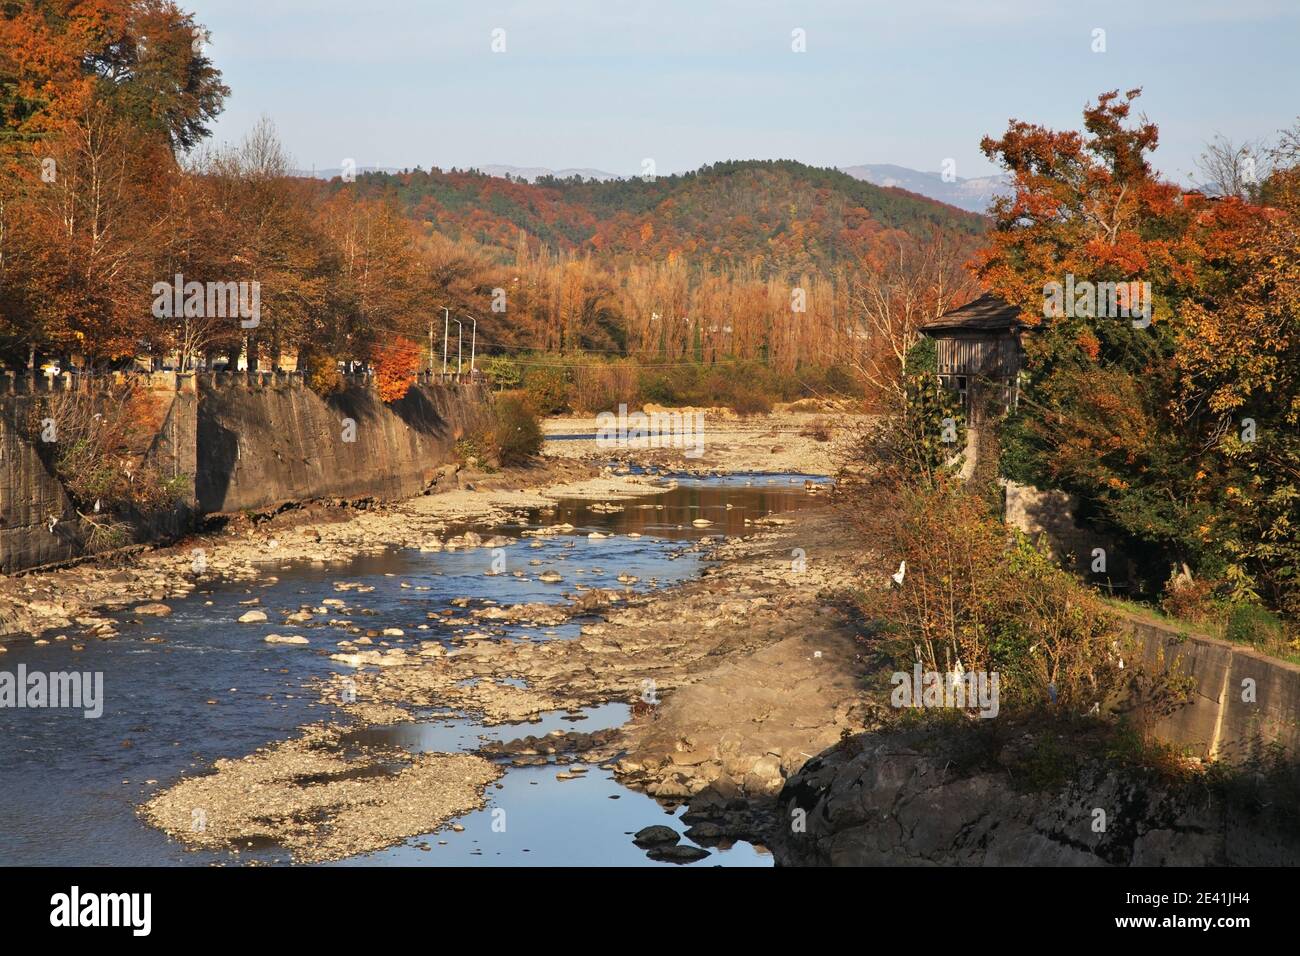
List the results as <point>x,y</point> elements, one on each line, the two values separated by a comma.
<point>677,854</point>
<point>285,639</point>
<point>153,609</point>
<point>764,777</point>
<point>877,801</point>
<point>252,617</point>
<point>655,836</point>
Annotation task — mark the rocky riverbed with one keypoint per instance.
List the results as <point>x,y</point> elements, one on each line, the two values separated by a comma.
<point>732,696</point>
<point>806,437</point>
<point>735,680</point>
<point>705,668</point>
<point>78,600</point>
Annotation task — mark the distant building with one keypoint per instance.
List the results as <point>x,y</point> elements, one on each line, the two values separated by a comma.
<point>979,351</point>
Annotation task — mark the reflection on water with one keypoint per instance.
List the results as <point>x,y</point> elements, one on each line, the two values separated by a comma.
<point>184,690</point>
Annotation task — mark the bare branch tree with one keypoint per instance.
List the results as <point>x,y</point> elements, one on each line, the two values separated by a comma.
<point>891,299</point>
<point>1233,169</point>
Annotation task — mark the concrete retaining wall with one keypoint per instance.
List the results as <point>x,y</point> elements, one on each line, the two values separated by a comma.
<point>245,442</point>
<point>1241,697</point>
<point>1050,518</point>
<point>32,503</point>
<point>263,446</point>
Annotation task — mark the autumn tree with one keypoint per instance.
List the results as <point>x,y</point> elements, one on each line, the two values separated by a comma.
<point>891,295</point>
<point>95,97</point>
<point>1239,358</point>
<point>89,237</point>
<point>1112,410</point>
<point>396,365</point>
<point>376,290</point>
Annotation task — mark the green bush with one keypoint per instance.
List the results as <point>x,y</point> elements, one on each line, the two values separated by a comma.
<point>934,420</point>
<point>1252,624</point>
<point>597,383</point>
<point>503,372</point>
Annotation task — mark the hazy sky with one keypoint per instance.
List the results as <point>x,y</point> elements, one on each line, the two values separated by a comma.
<point>608,83</point>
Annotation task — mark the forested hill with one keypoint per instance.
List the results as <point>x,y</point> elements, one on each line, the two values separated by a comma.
<point>781,216</point>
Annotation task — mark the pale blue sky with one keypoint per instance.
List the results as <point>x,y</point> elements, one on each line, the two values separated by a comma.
<point>606,83</point>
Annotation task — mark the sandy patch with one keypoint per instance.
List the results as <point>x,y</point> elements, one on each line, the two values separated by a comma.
<point>305,796</point>
<point>785,441</point>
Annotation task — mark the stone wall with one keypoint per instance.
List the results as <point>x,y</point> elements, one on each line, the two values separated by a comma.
<point>1218,723</point>
<point>1050,518</point>
<point>246,443</point>
<point>39,523</point>
<point>32,503</point>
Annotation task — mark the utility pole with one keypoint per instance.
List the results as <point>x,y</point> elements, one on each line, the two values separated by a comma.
<point>430,347</point>
<point>446,313</point>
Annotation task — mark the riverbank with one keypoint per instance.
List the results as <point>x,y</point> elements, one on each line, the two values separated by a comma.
<point>75,600</point>
<point>803,437</point>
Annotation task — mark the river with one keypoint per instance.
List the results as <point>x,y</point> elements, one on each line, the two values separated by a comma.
<point>195,686</point>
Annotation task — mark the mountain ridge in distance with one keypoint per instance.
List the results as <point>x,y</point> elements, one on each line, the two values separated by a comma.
<point>973,194</point>
<point>779,217</point>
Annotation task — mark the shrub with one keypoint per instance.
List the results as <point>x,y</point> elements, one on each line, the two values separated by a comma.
<point>546,390</point>
<point>749,401</point>
<point>972,602</point>
<point>516,432</point>
<point>600,388</point>
<point>1191,600</point>
<point>1253,624</point>
<point>395,369</point>
<point>96,443</point>
<point>323,376</point>
<point>503,372</point>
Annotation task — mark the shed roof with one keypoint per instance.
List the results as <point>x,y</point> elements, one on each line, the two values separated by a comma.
<point>988,313</point>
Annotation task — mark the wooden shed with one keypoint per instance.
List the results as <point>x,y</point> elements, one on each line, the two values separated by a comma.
<point>979,350</point>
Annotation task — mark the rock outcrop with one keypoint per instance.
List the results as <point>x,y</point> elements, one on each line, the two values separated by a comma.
<point>873,800</point>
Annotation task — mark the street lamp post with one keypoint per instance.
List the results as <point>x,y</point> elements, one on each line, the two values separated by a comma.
<point>446,315</point>
<point>460,337</point>
<point>473,338</point>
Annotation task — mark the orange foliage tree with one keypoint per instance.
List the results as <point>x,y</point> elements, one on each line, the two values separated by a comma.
<point>1137,418</point>
<point>395,368</point>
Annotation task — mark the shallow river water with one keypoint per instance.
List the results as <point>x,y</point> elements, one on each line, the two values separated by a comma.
<point>211,688</point>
